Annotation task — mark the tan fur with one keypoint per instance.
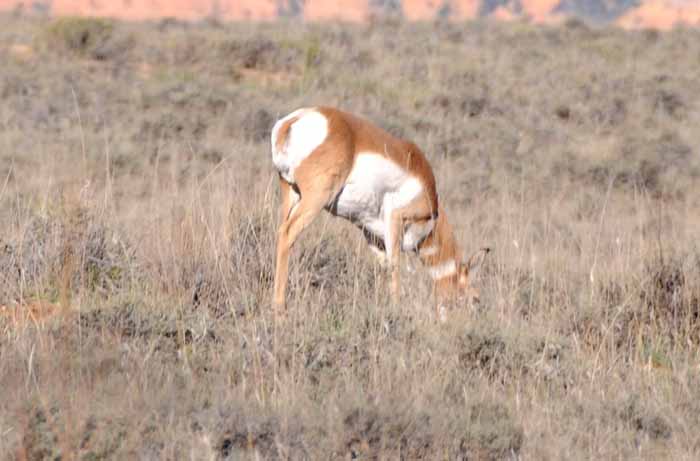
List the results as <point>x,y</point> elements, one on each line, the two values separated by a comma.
<point>321,176</point>
<point>368,137</point>
<point>443,238</point>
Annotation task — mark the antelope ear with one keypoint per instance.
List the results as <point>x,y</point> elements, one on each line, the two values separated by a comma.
<point>474,262</point>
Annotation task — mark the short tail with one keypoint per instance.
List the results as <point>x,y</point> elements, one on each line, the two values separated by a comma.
<point>282,133</point>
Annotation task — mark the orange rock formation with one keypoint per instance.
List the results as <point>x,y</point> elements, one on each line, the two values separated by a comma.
<point>346,10</point>
<point>660,14</point>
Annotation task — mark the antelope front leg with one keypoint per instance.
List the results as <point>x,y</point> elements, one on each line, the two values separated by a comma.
<point>377,247</point>
<point>393,250</point>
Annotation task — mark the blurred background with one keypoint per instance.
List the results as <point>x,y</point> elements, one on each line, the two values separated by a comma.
<point>138,215</point>
<point>661,14</point>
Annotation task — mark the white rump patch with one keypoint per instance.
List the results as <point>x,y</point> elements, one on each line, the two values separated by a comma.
<point>278,125</point>
<point>443,270</point>
<point>307,133</point>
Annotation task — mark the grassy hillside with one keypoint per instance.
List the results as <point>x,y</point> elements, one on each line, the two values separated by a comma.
<point>137,227</point>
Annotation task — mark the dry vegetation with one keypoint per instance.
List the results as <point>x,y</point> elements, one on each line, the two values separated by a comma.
<point>137,222</point>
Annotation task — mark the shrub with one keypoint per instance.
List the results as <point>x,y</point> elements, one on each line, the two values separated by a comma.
<point>80,36</point>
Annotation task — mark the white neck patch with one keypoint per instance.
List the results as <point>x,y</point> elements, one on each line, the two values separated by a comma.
<point>429,251</point>
<point>443,270</point>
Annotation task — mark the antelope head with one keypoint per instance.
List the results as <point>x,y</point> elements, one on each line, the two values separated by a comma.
<point>468,270</point>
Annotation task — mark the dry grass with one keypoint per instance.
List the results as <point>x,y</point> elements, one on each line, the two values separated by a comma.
<point>137,198</point>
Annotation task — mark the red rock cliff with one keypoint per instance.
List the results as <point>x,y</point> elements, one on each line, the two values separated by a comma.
<point>661,14</point>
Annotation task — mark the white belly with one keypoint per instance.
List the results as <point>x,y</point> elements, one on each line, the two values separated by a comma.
<point>375,187</point>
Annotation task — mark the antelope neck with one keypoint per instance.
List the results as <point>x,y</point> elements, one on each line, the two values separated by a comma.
<point>439,252</point>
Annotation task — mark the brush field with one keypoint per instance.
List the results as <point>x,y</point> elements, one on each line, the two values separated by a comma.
<point>138,212</point>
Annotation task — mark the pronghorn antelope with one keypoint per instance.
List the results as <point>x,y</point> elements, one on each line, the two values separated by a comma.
<point>328,159</point>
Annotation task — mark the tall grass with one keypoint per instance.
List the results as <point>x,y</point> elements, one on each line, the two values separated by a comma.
<point>138,215</point>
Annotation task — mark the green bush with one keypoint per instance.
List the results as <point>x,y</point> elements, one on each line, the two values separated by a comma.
<point>82,36</point>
